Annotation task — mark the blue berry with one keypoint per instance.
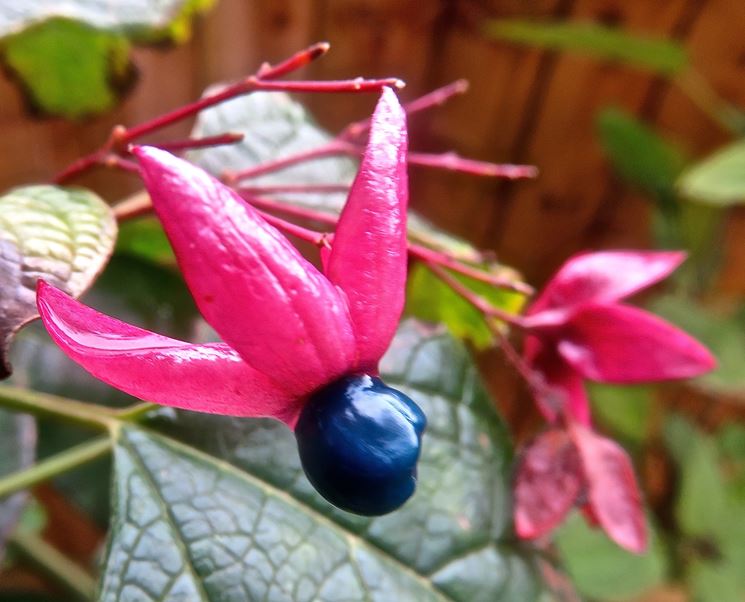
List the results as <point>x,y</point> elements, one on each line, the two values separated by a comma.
<point>359,443</point>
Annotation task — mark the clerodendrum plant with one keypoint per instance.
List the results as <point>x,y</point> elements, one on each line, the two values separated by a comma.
<point>302,346</point>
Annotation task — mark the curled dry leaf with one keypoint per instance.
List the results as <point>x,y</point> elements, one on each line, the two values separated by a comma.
<point>64,235</point>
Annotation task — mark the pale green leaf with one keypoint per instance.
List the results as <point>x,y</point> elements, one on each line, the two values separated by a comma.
<point>62,235</point>
<point>719,179</point>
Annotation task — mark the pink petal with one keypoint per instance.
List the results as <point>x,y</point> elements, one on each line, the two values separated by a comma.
<point>563,391</point>
<point>368,256</point>
<point>605,276</point>
<point>548,483</point>
<point>263,298</point>
<point>205,378</point>
<point>613,495</point>
<point>622,344</point>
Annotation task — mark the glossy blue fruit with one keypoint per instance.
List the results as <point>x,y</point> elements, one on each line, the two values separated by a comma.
<point>359,443</point>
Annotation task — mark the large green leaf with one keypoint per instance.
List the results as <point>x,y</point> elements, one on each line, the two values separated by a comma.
<point>17,450</point>
<point>72,58</point>
<point>276,126</point>
<point>658,55</point>
<point>213,508</point>
<point>719,179</point>
<point>63,235</point>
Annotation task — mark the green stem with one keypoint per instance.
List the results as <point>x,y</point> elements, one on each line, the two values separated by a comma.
<point>62,462</point>
<point>42,404</point>
<point>134,412</point>
<point>54,564</point>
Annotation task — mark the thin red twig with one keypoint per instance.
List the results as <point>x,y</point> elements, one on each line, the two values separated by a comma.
<point>431,99</point>
<point>330,149</point>
<point>479,302</point>
<point>295,188</point>
<point>263,80</point>
<point>207,141</point>
<point>420,252</point>
<point>453,162</point>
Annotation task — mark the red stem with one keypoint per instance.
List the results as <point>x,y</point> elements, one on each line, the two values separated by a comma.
<point>306,234</point>
<point>207,141</point>
<point>454,162</point>
<point>479,302</point>
<point>118,162</point>
<point>432,99</point>
<point>295,62</point>
<point>332,148</point>
<point>295,188</point>
<point>420,252</point>
<point>436,257</point>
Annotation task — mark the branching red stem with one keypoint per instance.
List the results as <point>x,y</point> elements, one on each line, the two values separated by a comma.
<point>207,141</point>
<point>479,302</point>
<point>431,99</point>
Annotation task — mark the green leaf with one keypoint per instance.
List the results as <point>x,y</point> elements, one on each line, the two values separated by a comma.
<point>719,179</point>
<point>17,450</point>
<point>722,332</point>
<point>701,504</point>
<point>63,235</point>
<point>144,237</point>
<point>625,410</point>
<point>428,298</point>
<point>638,153</point>
<point>658,55</point>
<point>226,513</point>
<point>72,58</point>
<point>714,582</point>
<point>68,68</point>
<point>600,569</point>
<point>275,126</point>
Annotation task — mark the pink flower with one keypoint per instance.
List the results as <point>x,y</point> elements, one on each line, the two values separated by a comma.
<point>577,329</point>
<point>290,331</point>
<point>565,467</point>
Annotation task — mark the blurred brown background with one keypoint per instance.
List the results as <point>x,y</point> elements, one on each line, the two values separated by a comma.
<point>524,106</point>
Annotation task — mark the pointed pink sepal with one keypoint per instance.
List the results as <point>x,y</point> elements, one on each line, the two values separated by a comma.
<point>613,496</point>
<point>548,483</point>
<point>621,344</point>
<point>605,276</point>
<point>368,256</point>
<point>208,378</point>
<point>264,299</point>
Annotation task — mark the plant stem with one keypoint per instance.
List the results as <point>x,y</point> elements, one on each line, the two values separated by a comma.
<point>453,162</point>
<point>50,467</point>
<point>330,149</point>
<point>42,404</point>
<point>55,564</point>
<point>431,99</point>
<point>296,188</point>
<point>206,142</point>
<point>479,302</point>
<point>134,412</point>
<point>420,252</point>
